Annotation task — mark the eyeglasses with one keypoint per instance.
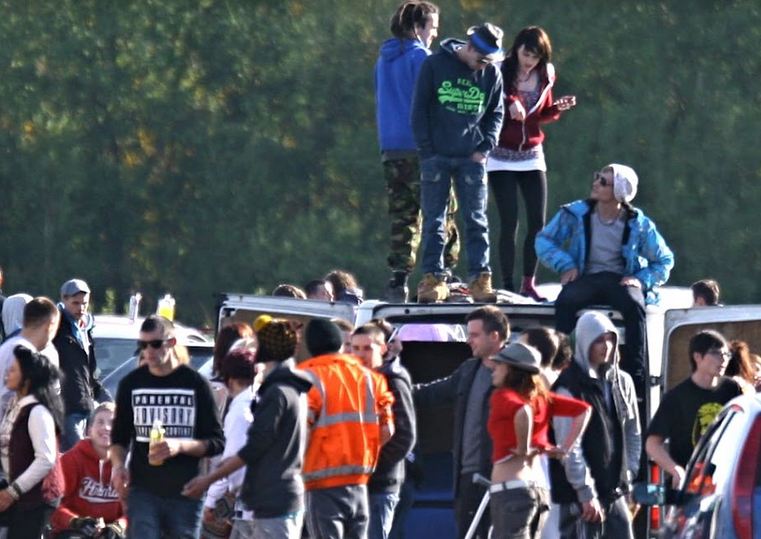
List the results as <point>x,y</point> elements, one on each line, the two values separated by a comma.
<point>721,353</point>
<point>602,179</point>
<point>155,343</point>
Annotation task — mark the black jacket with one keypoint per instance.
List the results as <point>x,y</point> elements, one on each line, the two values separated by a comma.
<point>602,443</point>
<point>274,450</point>
<point>389,472</point>
<point>80,383</point>
<point>456,388</point>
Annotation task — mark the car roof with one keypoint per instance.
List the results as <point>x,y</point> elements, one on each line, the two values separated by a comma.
<point>109,326</point>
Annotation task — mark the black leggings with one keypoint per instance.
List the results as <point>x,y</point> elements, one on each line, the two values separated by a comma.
<point>504,186</point>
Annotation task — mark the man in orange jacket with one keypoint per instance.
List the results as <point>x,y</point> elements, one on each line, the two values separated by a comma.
<point>350,419</point>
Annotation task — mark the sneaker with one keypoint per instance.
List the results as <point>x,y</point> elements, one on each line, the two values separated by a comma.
<point>481,290</point>
<point>432,289</point>
<point>397,290</point>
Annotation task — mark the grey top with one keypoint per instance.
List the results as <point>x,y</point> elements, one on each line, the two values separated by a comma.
<point>471,446</point>
<point>605,246</point>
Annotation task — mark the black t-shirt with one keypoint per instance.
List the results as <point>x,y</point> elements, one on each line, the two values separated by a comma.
<point>183,402</point>
<point>686,412</point>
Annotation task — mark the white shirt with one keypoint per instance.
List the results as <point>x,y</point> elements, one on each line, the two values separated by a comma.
<point>237,422</point>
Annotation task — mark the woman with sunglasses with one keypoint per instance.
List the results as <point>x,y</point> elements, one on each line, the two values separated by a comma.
<point>29,445</point>
<point>518,160</point>
<point>520,413</point>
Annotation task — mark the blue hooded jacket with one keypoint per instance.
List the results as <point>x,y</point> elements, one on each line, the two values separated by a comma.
<point>395,74</point>
<point>562,245</point>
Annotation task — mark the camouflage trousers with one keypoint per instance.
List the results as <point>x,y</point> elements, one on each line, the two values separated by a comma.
<point>403,188</point>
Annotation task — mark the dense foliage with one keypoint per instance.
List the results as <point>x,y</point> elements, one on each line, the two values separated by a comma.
<point>217,145</point>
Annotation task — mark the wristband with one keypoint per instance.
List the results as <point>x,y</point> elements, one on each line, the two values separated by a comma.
<point>15,491</point>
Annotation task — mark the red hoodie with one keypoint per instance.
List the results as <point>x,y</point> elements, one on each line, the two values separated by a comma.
<point>523,135</point>
<point>88,491</point>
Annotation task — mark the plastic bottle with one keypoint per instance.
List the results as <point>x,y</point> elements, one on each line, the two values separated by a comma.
<point>157,436</point>
<point>134,305</point>
<point>166,307</point>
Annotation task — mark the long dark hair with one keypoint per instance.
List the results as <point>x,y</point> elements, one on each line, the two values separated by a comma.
<point>526,384</point>
<point>409,15</point>
<point>42,376</point>
<point>535,40</point>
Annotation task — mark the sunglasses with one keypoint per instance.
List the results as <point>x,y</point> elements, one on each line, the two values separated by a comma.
<point>602,179</point>
<point>155,343</point>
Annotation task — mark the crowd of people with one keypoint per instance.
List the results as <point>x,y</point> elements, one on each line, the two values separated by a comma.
<point>273,447</point>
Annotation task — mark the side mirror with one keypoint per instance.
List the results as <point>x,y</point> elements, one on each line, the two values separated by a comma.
<point>652,494</point>
<point>649,494</point>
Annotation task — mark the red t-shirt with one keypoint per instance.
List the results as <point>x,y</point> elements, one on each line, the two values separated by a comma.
<point>506,402</point>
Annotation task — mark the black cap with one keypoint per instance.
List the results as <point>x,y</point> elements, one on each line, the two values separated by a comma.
<point>322,337</point>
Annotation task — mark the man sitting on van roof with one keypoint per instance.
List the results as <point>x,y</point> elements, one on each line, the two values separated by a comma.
<point>608,252</point>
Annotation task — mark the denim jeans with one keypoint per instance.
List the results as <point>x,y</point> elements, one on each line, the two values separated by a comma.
<point>382,506</point>
<point>75,426</point>
<point>151,516</point>
<point>469,178</point>
<point>337,512</point>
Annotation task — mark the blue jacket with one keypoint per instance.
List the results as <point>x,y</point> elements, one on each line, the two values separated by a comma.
<point>562,245</point>
<point>395,74</point>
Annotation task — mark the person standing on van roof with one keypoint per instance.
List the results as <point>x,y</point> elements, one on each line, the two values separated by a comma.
<point>688,409</point>
<point>457,114</point>
<point>469,387</point>
<point>414,26</point>
<point>368,343</point>
<point>350,418</point>
<point>76,353</point>
<point>608,252</point>
<point>590,483</point>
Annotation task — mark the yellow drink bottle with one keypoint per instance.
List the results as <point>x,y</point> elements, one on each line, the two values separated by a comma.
<point>157,436</point>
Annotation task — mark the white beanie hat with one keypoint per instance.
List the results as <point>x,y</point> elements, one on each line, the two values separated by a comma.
<point>625,182</point>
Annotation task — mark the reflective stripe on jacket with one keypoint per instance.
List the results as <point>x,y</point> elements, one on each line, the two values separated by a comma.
<point>347,405</point>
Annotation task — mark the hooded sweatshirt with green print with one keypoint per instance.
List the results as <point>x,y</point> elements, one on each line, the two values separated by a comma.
<point>607,458</point>
<point>456,111</point>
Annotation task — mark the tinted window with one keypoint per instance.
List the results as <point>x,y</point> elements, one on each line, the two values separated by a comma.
<point>110,353</point>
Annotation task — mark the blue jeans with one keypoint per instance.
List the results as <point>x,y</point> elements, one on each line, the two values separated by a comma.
<point>436,174</point>
<point>151,516</point>
<point>75,426</point>
<point>382,507</point>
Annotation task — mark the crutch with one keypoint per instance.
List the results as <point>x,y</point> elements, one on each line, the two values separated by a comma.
<point>481,480</point>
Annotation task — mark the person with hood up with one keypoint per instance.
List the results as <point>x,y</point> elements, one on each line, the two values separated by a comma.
<point>273,488</point>
<point>518,160</point>
<point>414,26</point>
<point>590,483</point>
<point>608,252</point>
<point>457,113</point>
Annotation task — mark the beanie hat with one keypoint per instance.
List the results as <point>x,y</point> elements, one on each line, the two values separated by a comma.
<point>625,182</point>
<point>239,364</point>
<point>277,341</point>
<point>322,337</point>
<point>521,356</point>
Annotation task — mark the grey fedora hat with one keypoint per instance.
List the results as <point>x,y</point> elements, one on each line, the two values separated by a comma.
<point>521,356</point>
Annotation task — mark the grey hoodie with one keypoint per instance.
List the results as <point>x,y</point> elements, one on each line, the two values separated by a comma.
<point>589,327</point>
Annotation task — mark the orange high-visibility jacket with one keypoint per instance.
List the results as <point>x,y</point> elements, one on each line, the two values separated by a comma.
<point>347,405</point>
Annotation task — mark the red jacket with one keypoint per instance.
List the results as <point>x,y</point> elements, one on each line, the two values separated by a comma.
<point>88,489</point>
<point>517,135</point>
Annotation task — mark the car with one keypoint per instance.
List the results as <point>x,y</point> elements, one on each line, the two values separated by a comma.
<point>115,340</point>
<point>721,494</point>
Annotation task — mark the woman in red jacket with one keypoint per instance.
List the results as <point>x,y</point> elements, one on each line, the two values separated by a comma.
<point>518,159</point>
<point>519,418</point>
<point>90,506</point>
